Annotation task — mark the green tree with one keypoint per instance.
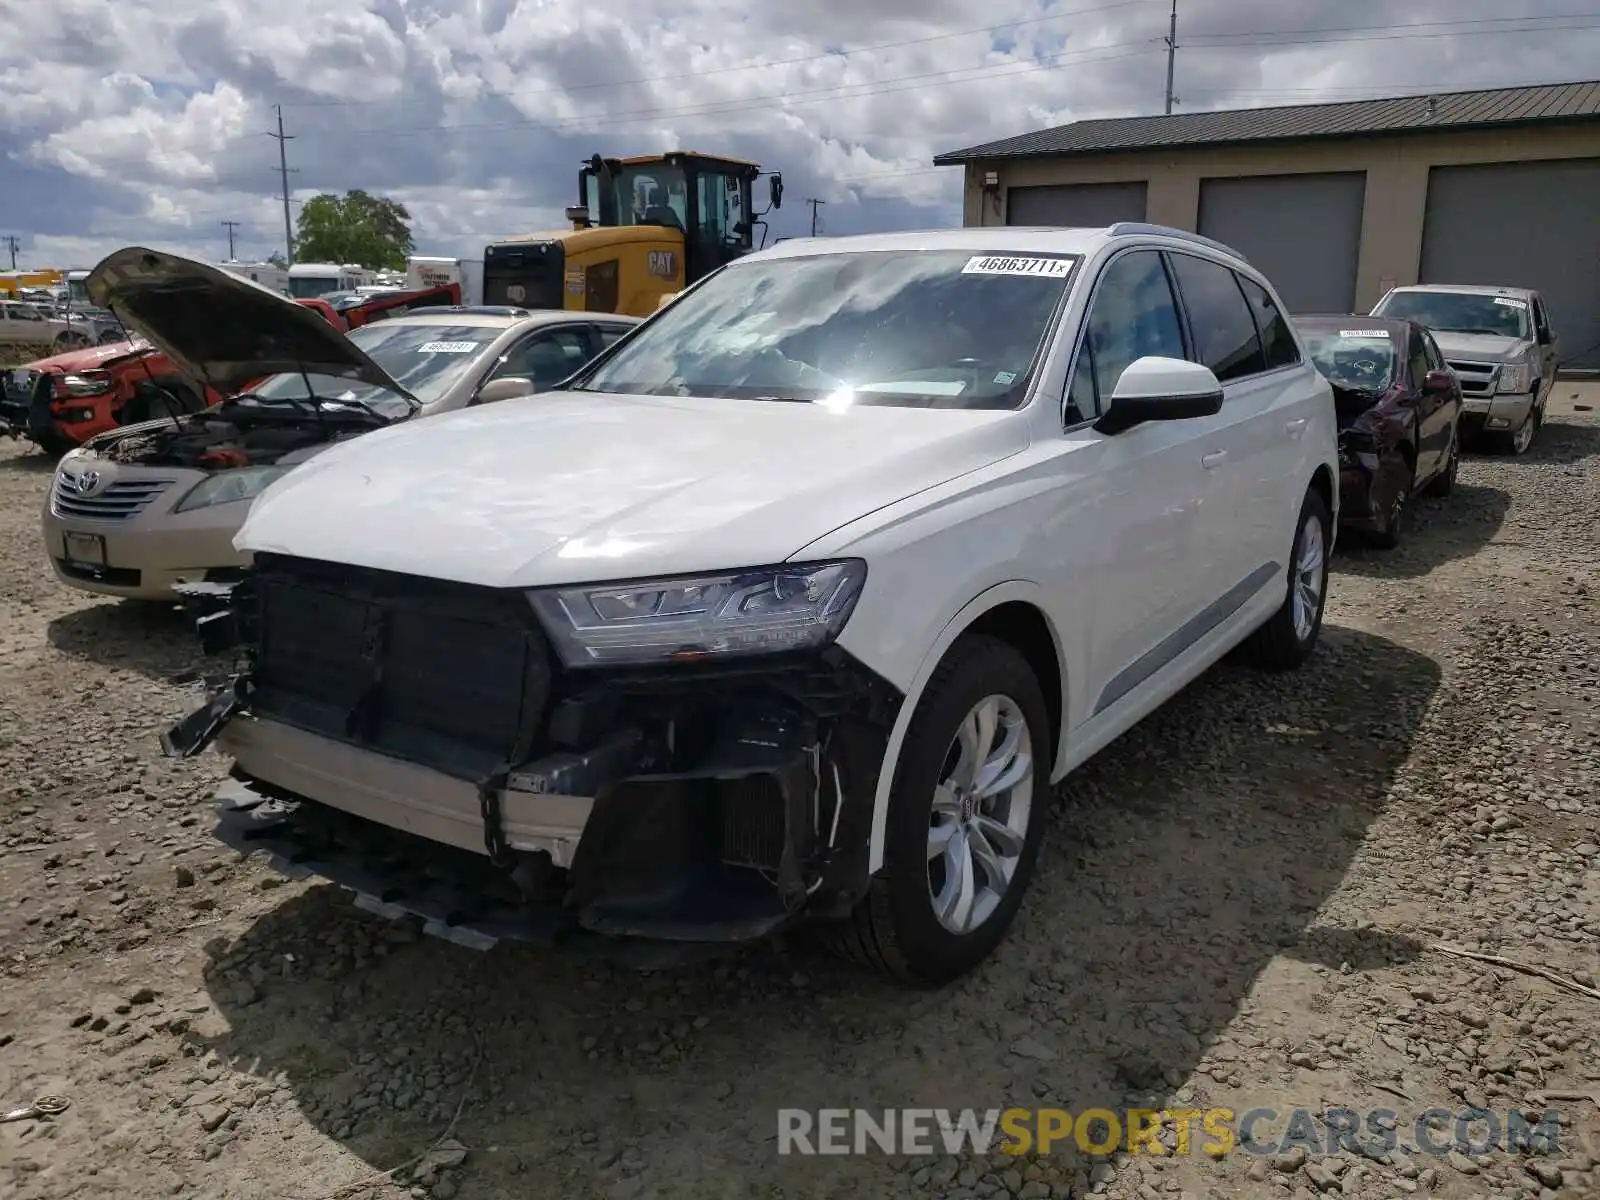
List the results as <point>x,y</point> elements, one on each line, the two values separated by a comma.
<point>355,228</point>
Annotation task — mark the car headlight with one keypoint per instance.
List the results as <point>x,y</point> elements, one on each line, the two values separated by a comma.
<point>225,487</point>
<point>83,383</point>
<point>734,614</point>
<point>1514,377</point>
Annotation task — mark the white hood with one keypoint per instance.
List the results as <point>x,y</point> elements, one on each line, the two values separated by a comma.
<point>573,487</point>
<point>1485,346</point>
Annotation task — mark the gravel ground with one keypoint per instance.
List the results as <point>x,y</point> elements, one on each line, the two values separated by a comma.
<point>1237,906</point>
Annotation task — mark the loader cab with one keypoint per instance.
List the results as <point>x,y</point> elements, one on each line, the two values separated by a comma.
<point>705,197</point>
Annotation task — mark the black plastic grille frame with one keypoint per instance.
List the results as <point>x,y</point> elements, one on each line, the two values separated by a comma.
<point>437,673</point>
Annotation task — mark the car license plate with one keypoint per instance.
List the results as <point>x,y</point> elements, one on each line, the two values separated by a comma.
<point>86,548</point>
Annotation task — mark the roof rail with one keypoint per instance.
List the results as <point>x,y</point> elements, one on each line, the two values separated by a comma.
<point>477,310</point>
<point>1149,229</point>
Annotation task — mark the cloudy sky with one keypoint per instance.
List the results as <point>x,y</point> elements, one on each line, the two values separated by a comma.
<point>146,120</point>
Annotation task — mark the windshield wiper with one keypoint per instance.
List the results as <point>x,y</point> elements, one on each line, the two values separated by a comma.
<point>783,399</point>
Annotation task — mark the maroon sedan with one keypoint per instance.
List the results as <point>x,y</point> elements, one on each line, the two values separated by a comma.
<point>1399,411</point>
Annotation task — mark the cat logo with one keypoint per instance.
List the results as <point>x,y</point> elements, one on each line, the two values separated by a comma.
<point>664,263</point>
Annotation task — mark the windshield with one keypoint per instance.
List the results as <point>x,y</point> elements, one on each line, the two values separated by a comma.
<point>77,293</point>
<point>426,360</point>
<point>307,287</point>
<point>1352,356</point>
<point>926,328</point>
<point>1460,312</point>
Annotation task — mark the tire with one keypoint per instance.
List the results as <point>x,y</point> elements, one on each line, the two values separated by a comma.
<point>70,341</point>
<point>1444,482</point>
<point>1283,643</point>
<point>1520,440</point>
<point>1394,517</point>
<point>895,929</point>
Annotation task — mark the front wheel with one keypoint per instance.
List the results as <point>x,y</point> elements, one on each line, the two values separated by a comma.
<point>1520,440</point>
<point>965,820</point>
<point>1290,634</point>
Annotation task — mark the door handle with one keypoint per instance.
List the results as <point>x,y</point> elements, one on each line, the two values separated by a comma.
<point>1294,428</point>
<point>1213,460</point>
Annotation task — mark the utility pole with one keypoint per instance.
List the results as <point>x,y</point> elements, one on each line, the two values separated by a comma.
<point>230,226</point>
<point>815,204</point>
<point>283,140</point>
<point>1172,54</point>
<point>12,244</point>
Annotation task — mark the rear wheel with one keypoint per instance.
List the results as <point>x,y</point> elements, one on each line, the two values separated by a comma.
<point>1290,634</point>
<point>1444,482</point>
<point>964,824</point>
<point>70,340</point>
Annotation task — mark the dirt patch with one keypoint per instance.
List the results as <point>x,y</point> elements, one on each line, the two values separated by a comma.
<point>1235,908</point>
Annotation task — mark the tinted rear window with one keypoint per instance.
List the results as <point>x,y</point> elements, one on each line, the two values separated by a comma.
<point>1224,332</point>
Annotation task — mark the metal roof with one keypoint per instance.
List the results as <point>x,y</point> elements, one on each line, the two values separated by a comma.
<point>1541,105</point>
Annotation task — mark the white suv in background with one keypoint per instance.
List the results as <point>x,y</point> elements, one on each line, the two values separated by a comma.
<point>790,607</point>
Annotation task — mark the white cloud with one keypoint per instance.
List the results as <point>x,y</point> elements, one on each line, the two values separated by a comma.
<point>146,120</point>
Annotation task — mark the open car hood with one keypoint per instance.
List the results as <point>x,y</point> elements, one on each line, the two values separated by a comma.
<point>221,328</point>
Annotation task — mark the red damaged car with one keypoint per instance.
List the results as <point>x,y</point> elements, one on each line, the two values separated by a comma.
<point>1399,413</point>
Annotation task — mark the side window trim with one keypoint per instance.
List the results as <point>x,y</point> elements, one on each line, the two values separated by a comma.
<point>1190,347</point>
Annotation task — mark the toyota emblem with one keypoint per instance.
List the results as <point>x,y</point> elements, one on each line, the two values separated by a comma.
<point>85,483</point>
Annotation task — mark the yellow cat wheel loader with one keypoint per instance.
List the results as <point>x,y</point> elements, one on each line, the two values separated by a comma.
<point>644,228</point>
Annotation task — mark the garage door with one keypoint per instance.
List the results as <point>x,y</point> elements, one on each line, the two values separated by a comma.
<point>1087,205</point>
<point>1534,225</point>
<point>1303,232</point>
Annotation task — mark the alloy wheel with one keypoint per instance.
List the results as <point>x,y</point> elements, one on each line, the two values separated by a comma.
<point>1310,573</point>
<point>979,821</point>
<point>1523,437</point>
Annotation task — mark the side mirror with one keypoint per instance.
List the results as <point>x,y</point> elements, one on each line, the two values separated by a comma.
<point>775,190</point>
<point>508,387</point>
<point>1440,382</point>
<point>1546,337</point>
<point>1161,389</point>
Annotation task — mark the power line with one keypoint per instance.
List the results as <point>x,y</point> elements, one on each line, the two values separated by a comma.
<point>761,66</point>
<point>283,140</point>
<point>946,77</point>
<point>230,226</point>
<point>815,205</point>
<point>13,244</point>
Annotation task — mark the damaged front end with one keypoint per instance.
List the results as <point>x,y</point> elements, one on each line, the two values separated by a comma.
<point>1371,469</point>
<point>423,744</point>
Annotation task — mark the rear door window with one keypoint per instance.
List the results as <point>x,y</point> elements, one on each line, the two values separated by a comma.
<point>1277,342</point>
<point>1224,331</point>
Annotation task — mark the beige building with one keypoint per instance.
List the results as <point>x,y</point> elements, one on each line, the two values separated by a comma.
<point>1336,203</point>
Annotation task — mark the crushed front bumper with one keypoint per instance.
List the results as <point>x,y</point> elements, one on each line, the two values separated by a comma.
<point>695,805</point>
<point>1501,413</point>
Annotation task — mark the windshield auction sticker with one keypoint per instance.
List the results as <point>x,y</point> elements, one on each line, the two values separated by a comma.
<point>991,264</point>
<point>1382,334</point>
<point>447,347</point>
<point>1509,302</point>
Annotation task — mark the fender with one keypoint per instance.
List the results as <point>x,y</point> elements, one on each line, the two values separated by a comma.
<point>1000,593</point>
